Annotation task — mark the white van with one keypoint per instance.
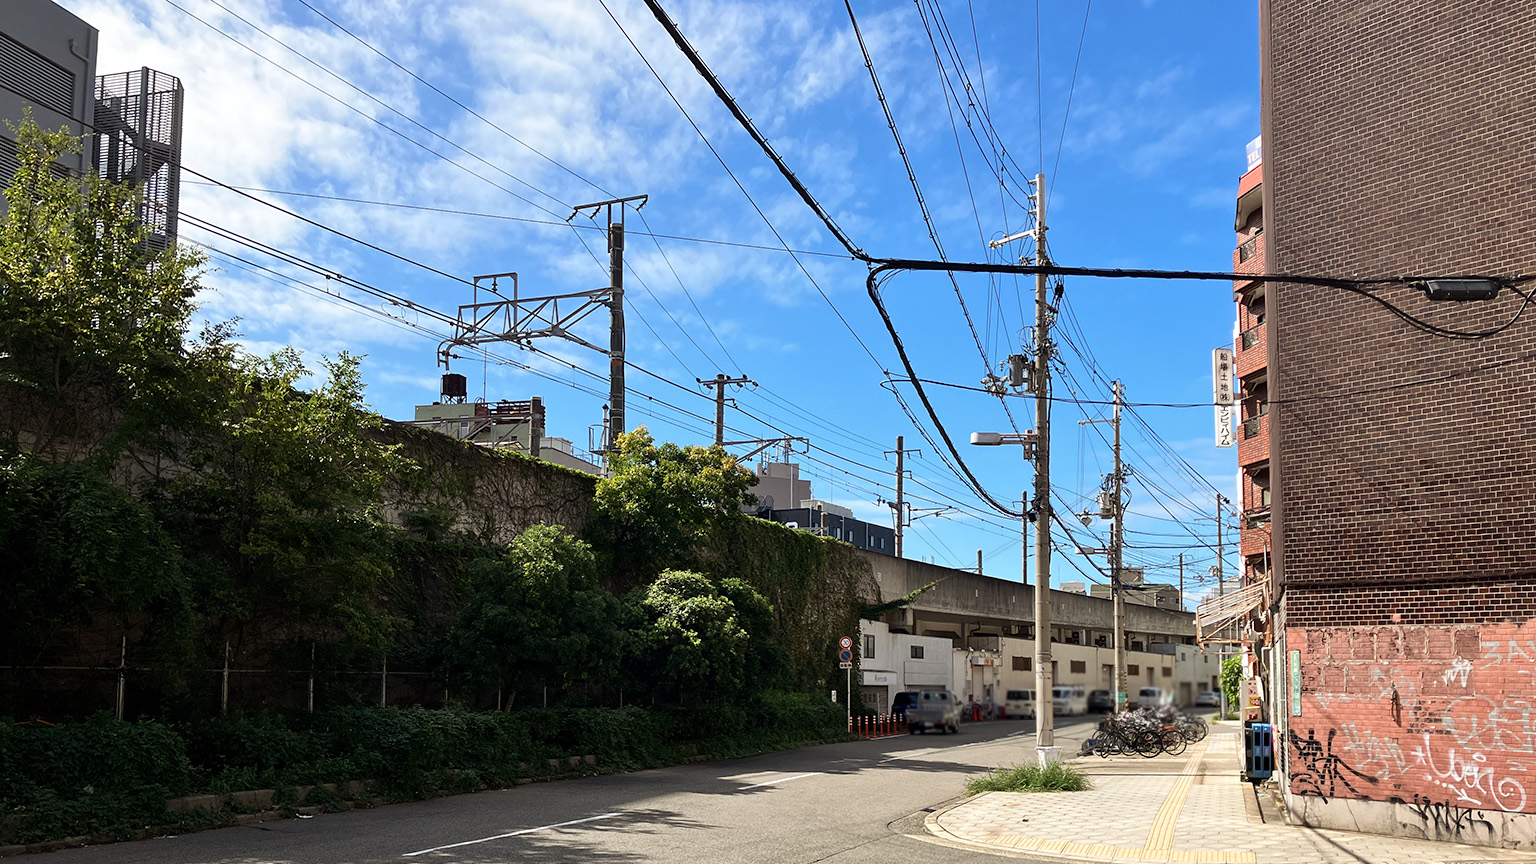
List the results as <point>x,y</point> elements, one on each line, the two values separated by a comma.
<point>1069,699</point>
<point>1019,703</point>
<point>1153,697</point>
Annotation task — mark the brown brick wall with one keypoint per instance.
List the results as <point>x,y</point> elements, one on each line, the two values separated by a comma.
<point>1401,139</point>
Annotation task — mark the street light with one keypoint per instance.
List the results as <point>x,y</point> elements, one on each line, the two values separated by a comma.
<point>1045,722</point>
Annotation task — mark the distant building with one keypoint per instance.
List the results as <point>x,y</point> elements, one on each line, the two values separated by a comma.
<point>502,424</point>
<point>131,121</point>
<point>829,520</point>
<point>779,486</point>
<point>1146,594</point>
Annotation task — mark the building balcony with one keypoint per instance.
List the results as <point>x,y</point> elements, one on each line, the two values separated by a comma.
<point>1252,351</point>
<point>1253,441</point>
<point>1248,257</point>
<point>1255,540</point>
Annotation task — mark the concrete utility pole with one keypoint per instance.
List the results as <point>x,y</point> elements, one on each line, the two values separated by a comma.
<point>1117,544</point>
<point>615,328</point>
<point>1045,727</point>
<point>719,382</point>
<point>1221,580</point>
<point>1181,581</point>
<point>903,519</point>
<point>1037,443</point>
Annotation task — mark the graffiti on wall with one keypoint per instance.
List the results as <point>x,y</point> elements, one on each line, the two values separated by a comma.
<point>1442,717</point>
<point>1318,770</point>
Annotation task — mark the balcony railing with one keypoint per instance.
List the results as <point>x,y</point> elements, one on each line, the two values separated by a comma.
<point>1252,335</point>
<point>1248,248</point>
<point>1252,427</point>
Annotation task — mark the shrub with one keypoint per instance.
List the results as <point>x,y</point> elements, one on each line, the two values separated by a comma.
<point>1055,777</point>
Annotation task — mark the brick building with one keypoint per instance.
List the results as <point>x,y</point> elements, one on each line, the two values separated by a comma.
<point>1397,638</point>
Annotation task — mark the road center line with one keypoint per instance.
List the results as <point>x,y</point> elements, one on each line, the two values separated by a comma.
<point>781,780</point>
<point>510,834</point>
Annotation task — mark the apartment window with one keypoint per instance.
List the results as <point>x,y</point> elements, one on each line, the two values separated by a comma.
<point>1132,669</point>
<point>1167,672</point>
<point>917,652</point>
<point>1079,667</point>
<point>869,645</point>
<point>1022,664</point>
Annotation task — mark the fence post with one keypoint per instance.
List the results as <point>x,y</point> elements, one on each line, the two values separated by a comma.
<point>224,687</point>
<point>311,677</point>
<point>122,664</point>
<point>384,683</point>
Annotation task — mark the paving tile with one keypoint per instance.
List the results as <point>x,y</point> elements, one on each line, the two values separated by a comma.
<point>1211,824</point>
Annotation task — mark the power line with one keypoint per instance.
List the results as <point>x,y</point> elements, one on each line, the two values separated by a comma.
<point>364,114</point>
<point>805,194</point>
<point>477,115</point>
<point>524,219</point>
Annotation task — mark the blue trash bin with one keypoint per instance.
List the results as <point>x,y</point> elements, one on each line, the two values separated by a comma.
<point>1258,750</point>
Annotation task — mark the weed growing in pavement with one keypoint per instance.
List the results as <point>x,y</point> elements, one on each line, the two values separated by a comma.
<point>1055,777</point>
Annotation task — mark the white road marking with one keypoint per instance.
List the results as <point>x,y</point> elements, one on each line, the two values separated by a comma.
<point>510,834</point>
<point>780,780</point>
<point>912,754</point>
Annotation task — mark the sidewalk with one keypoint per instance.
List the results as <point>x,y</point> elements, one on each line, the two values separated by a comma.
<point>1191,808</point>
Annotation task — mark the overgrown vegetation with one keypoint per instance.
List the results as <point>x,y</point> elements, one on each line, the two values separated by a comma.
<point>1055,777</point>
<point>106,777</point>
<point>168,496</point>
<point>1232,681</point>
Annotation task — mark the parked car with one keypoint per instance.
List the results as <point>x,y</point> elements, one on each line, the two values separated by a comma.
<point>935,709</point>
<point>1069,699</point>
<point>1153,697</point>
<point>1018,703</point>
<point>1102,701</point>
<point>1208,698</point>
<point>904,700</point>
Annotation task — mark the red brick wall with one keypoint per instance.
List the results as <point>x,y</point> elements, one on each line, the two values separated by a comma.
<point>1438,714</point>
<point>1401,138</point>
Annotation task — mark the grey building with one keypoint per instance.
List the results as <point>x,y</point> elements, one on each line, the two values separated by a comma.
<point>47,66</point>
<point>131,121</point>
<point>839,524</point>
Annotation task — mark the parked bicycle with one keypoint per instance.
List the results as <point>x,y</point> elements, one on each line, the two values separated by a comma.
<point>1147,732</point>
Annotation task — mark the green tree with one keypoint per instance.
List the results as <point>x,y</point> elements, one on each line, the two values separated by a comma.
<point>92,325</point>
<point>538,617</point>
<point>660,502</point>
<point>279,503</point>
<point>1232,681</point>
<point>692,641</point>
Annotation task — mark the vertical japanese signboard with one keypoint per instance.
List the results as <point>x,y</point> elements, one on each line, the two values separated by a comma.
<point>1221,394</point>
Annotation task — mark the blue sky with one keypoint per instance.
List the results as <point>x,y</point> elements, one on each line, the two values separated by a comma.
<point>1141,173</point>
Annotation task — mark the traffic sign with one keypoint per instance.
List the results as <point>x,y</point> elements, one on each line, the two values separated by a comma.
<point>845,642</point>
<point>845,656</point>
<point>845,665</point>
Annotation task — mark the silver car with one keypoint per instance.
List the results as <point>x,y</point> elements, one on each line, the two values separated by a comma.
<point>935,709</point>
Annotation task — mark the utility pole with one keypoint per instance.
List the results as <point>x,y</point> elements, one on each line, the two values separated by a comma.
<point>1045,726</point>
<point>1117,545</point>
<point>719,382</point>
<point>1221,580</point>
<point>903,519</point>
<point>1024,537</point>
<point>1181,581</point>
<point>615,302</point>
<point>1037,441</point>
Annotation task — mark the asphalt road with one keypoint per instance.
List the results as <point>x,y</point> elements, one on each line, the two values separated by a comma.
<point>855,802</point>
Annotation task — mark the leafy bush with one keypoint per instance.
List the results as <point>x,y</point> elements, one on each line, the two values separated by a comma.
<point>1055,777</point>
<point>100,776</point>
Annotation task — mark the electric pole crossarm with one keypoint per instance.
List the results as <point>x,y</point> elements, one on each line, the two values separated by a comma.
<point>718,382</point>
<point>523,319</point>
<point>765,443</point>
